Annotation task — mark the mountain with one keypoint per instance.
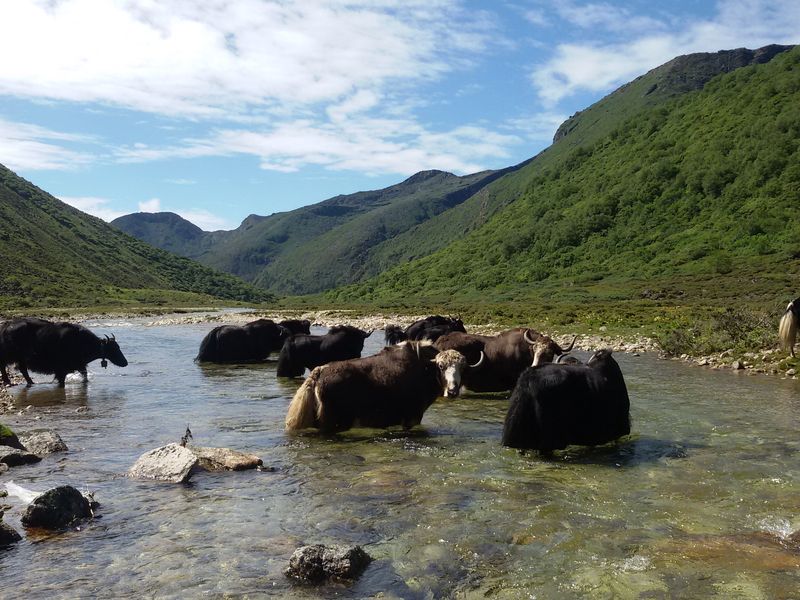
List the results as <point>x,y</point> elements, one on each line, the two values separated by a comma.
<point>316,247</point>
<point>55,255</point>
<point>693,196</point>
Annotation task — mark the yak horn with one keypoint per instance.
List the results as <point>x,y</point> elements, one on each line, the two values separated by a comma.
<point>480,361</point>
<point>107,338</point>
<point>526,338</point>
<point>570,346</point>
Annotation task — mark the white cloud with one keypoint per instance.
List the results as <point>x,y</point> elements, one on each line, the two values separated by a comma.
<point>151,206</point>
<point>221,58</point>
<point>99,207</point>
<point>606,16</point>
<point>27,147</point>
<point>598,66</point>
<point>205,220</point>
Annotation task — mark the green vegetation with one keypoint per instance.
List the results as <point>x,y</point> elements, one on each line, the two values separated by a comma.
<point>684,209</point>
<point>55,255</point>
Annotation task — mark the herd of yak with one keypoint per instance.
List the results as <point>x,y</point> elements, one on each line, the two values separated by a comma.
<point>556,400</point>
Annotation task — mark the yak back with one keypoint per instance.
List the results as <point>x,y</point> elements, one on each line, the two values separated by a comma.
<point>251,342</point>
<point>295,326</point>
<point>393,387</point>
<point>553,406</point>
<point>17,338</point>
<point>63,347</point>
<point>302,351</point>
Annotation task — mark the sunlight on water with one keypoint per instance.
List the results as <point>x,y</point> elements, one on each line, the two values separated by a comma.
<point>699,501</point>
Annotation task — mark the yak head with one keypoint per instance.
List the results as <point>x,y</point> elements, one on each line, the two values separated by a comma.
<point>110,350</point>
<point>450,364</point>
<point>544,349</point>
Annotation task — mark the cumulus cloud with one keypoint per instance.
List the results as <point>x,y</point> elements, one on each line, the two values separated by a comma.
<point>99,207</point>
<point>151,206</point>
<point>600,66</point>
<point>27,147</point>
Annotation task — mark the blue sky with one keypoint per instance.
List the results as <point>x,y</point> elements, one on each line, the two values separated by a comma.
<point>217,109</point>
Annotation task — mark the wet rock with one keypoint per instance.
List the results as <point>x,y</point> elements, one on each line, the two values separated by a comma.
<point>224,459</point>
<point>9,438</point>
<point>14,457</point>
<point>737,365</point>
<point>57,508</point>
<point>8,535</point>
<point>42,442</point>
<point>172,463</point>
<point>3,469</point>
<point>791,372</point>
<point>316,563</point>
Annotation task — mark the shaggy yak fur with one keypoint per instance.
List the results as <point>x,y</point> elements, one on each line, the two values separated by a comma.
<point>787,331</point>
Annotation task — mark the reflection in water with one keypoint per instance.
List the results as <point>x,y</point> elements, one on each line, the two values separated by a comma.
<point>687,506</point>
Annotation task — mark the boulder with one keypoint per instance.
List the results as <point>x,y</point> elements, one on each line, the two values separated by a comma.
<point>225,459</point>
<point>172,463</point>
<point>13,457</point>
<point>8,535</point>
<point>42,442</point>
<point>9,438</point>
<point>57,508</point>
<point>3,469</point>
<point>316,563</point>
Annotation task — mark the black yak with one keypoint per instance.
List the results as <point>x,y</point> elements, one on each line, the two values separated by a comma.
<point>554,406</point>
<point>430,328</point>
<point>394,387</point>
<point>57,348</point>
<point>295,326</point>
<point>16,343</point>
<point>251,342</point>
<point>787,332</point>
<point>507,355</point>
<point>300,352</point>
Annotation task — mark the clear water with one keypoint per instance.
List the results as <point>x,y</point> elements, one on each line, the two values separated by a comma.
<point>695,503</point>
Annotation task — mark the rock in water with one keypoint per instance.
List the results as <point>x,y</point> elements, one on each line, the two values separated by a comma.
<point>9,438</point>
<point>14,457</point>
<point>316,563</point>
<point>172,463</point>
<point>8,535</point>
<point>57,508</point>
<point>42,442</point>
<point>225,459</point>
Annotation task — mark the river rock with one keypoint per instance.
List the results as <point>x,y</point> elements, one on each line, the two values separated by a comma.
<point>8,535</point>
<point>57,508</point>
<point>317,562</point>
<point>737,365</point>
<point>172,463</point>
<point>225,459</point>
<point>42,442</point>
<point>9,438</point>
<point>14,457</point>
<point>3,469</point>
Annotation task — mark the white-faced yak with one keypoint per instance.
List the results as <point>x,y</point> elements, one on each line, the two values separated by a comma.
<point>301,352</point>
<point>394,387</point>
<point>251,342</point>
<point>508,354</point>
<point>56,348</point>
<point>787,332</point>
<point>554,406</point>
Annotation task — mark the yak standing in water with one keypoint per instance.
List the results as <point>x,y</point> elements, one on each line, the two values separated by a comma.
<point>295,326</point>
<point>430,328</point>
<point>16,344</point>
<point>787,332</point>
<point>251,342</point>
<point>57,348</point>
<point>301,352</point>
<point>394,387</point>
<point>554,406</point>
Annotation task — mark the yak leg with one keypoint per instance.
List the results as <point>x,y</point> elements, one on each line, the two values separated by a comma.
<point>61,377</point>
<point>84,374</point>
<point>4,375</point>
<point>23,368</point>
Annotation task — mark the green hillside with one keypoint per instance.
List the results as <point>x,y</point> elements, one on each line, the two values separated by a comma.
<point>694,199</point>
<point>315,247</point>
<point>55,255</point>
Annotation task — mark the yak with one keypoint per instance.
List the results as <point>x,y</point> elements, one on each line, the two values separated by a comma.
<point>554,406</point>
<point>300,352</point>
<point>787,332</point>
<point>507,355</point>
<point>394,387</point>
<point>295,326</point>
<point>251,342</point>
<point>16,343</point>
<point>57,348</point>
<point>430,328</point>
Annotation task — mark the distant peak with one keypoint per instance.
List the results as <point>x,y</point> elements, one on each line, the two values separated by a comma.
<point>425,175</point>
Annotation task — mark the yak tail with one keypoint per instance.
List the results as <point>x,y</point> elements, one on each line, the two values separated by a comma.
<point>787,331</point>
<point>306,407</point>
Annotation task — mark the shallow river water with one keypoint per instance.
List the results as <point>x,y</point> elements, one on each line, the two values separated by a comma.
<point>696,503</point>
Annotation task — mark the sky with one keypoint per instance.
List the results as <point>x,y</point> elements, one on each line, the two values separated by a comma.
<point>218,109</point>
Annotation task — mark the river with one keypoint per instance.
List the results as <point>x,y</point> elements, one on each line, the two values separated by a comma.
<point>696,503</point>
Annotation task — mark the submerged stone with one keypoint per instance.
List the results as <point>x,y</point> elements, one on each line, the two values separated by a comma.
<point>316,563</point>
<point>8,535</point>
<point>225,459</point>
<point>172,463</point>
<point>57,508</point>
